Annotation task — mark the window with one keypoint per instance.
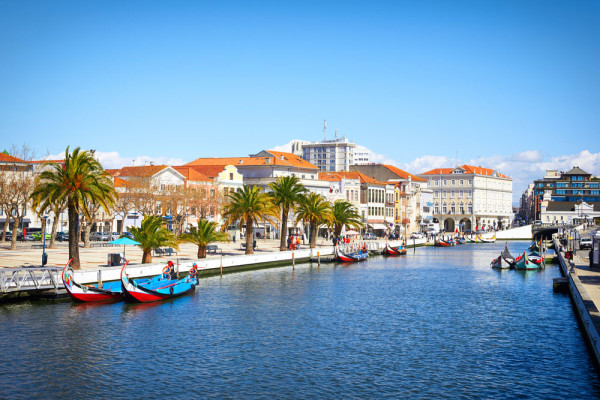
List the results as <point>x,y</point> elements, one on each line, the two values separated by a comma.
<point>435,194</point>
<point>468,193</point>
<point>435,182</point>
<point>460,194</point>
<point>462,208</point>
<point>443,194</point>
<point>453,182</point>
<point>436,209</point>
<point>470,182</point>
<point>470,208</point>
<point>452,209</point>
<point>445,182</point>
<point>461,182</point>
<point>444,209</point>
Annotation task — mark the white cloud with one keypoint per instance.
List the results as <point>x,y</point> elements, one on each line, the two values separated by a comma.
<point>113,160</point>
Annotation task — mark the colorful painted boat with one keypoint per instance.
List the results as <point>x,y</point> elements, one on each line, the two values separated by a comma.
<point>351,257</point>
<point>393,251</point>
<point>534,247</point>
<point>444,243</point>
<point>507,257</point>
<point>488,240</point>
<point>161,287</point>
<point>499,263</point>
<point>536,258</point>
<point>106,291</point>
<point>524,264</point>
<point>470,240</point>
<point>460,240</point>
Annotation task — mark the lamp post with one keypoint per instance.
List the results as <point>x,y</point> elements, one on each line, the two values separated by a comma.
<point>44,255</point>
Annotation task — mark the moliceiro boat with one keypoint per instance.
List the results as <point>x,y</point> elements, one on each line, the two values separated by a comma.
<point>393,251</point>
<point>107,291</point>
<point>499,263</point>
<point>508,258</point>
<point>488,240</point>
<point>351,257</point>
<point>161,287</point>
<point>524,264</point>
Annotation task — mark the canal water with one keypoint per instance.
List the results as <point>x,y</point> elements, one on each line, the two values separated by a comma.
<point>439,323</point>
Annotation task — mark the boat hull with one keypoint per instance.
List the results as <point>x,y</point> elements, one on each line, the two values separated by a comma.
<point>156,289</point>
<point>110,291</point>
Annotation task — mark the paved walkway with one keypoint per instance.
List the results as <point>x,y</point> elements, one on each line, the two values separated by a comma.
<point>590,278</point>
<point>94,257</point>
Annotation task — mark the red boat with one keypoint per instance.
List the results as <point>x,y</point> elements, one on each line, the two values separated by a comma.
<point>161,287</point>
<point>86,293</point>
<point>443,243</point>
<point>393,251</point>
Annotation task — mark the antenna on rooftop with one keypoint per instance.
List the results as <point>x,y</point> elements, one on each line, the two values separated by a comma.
<point>336,133</point>
<point>324,128</point>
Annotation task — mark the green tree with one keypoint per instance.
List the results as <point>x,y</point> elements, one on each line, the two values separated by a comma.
<point>152,235</point>
<point>314,210</point>
<point>204,234</point>
<point>344,213</point>
<point>287,193</point>
<point>79,182</point>
<point>249,205</point>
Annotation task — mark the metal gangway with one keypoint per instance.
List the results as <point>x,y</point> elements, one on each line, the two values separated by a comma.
<point>20,281</point>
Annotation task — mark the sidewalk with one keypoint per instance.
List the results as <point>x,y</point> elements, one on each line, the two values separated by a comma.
<point>94,257</point>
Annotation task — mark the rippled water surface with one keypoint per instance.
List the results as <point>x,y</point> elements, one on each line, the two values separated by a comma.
<point>436,324</point>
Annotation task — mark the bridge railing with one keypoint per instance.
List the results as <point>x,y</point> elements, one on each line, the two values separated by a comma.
<point>20,279</point>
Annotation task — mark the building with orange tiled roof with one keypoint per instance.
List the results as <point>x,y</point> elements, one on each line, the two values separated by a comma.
<point>413,200</point>
<point>470,197</point>
<point>376,200</point>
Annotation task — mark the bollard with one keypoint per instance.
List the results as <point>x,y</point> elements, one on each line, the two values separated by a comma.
<point>318,258</point>
<point>99,279</point>
<point>293,262</point>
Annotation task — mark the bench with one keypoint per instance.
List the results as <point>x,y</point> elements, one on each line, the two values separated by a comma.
<point>212,248</point>
<point>164,251</point>
<point>243,244</point>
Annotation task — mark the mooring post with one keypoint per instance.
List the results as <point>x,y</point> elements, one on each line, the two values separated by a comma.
<point>318,258</point>
<point>221,267</point>
<point>414,246</point>
<point>100,278</point>
<point>293,262</point>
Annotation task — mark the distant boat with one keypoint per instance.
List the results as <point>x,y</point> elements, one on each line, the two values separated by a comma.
<point>393,251</point>
<point>351,257</point>
<point>107,291</point>
<point>488,240</point>
<point>524,264</point>
<point>161,287</point>
<point>444,243</point>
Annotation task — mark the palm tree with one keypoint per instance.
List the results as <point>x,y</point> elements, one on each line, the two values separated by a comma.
<point>79,182</point>
<point>314,209</point>
<point>287,192</point>
<point>249,205</point>
<point>152,235</point>
<point>344,213</point>
<point>205,233</point>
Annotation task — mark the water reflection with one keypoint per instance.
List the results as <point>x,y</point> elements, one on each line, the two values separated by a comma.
<point>439,323</point>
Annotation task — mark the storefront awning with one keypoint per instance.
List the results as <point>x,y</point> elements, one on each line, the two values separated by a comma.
<point>378,226</point>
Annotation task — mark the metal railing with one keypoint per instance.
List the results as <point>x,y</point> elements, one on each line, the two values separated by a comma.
<point>22,279</point>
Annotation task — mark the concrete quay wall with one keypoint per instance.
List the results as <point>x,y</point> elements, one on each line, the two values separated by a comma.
<point>521,232</point>
<point>212,266</point>
<point>587,311</point>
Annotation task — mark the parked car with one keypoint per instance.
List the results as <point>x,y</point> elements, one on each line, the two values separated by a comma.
<point>98,237</point>
<point>128,234</point>
<point>369,236</point>
<point>585,243</point>
<point>8,236</point>
<point>62,236</point>
<point>416,235</point>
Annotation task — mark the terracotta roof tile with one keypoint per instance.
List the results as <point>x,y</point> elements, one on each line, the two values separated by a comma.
<point>5,158</point>
<point>279,158</point>
<point>403,174</point>
<point>469,169</point>
<point>212,171</point>
<point>143,171</point>
<point>192,175</point>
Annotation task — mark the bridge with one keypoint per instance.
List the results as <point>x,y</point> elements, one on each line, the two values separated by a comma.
<point>545,231</point>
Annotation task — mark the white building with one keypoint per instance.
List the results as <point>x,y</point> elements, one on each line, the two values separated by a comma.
<point>330,155</point>
<point>362,155</point>
<point>469,197</point>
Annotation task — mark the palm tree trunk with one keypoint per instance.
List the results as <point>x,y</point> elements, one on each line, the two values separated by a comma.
<point>147,257</point>
<point>86,234</point>
<point>73,236</point>
<point>202,251</point>
<point>283,233</point>
<point>313,235</point>
<point>249,237</point>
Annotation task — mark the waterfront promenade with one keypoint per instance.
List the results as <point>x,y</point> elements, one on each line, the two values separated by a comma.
<point>94,257</point>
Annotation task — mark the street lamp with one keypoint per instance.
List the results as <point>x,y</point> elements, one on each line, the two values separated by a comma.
<point>44,255</point>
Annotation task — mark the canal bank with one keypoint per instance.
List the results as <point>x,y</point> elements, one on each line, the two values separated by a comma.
<point>585,294</point>
<point>46,283</point>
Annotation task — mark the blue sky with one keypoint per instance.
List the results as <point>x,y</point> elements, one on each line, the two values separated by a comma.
<point>177,80</point>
